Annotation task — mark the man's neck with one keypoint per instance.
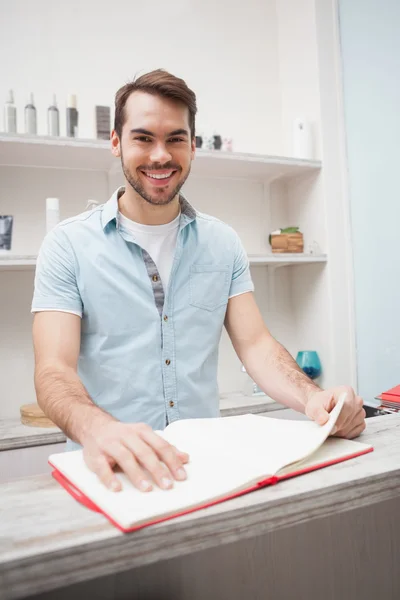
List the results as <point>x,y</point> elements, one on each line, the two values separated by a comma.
<point>135,208</point>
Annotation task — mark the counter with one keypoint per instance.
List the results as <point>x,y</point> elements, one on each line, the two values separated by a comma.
<point>333,533</point>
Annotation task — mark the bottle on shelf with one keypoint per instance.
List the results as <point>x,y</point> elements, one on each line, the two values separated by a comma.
<point>53,119</point>
<point>52,213</point>
<point>72,116</point>
<point>302,139</point>
<point>10,114</point>
<point>30,117</point>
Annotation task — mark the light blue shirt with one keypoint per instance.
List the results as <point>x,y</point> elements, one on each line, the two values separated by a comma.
<point>146,355</point>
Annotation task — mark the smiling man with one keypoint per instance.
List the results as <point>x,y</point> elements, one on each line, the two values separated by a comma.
<point>130,300</point>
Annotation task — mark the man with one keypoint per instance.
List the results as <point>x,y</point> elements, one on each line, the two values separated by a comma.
<point>130,300</point>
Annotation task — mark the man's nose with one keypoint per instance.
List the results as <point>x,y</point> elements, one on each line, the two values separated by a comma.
<point>160,154</point>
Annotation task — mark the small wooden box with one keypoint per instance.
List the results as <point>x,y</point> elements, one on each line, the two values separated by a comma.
<point>287,242</point>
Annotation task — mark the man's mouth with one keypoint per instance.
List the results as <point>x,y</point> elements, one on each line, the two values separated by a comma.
<point>159,178</point>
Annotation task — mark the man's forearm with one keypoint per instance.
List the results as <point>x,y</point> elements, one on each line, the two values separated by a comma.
<point>64,399</point>
<point>277,373</point>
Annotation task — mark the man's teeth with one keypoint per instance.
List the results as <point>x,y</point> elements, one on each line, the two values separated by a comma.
<point>158,176</point>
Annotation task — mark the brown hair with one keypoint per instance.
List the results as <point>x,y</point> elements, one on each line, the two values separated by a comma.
<point>159,83</point>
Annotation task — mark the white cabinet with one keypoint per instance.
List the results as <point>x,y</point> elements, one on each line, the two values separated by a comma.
<point>25,462</point>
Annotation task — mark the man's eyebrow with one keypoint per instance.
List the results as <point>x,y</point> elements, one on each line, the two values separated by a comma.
<point>178,132</point>
<point>143,131</point>
<point>147,132</point>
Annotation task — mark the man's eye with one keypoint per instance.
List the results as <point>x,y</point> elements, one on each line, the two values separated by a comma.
<point>143,138</point>
<point>176,139</point>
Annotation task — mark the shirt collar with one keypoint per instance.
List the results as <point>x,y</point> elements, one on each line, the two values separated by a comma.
<point>110,209</point>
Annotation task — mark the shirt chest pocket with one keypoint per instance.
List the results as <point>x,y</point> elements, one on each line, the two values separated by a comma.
<point>209,286</point>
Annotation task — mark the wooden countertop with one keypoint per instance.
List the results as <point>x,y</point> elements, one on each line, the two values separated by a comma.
<point>13,434</point>
<point>47,539</point>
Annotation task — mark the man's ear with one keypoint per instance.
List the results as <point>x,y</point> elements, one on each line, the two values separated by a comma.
<point>115,144</point>
<point>193,147</point>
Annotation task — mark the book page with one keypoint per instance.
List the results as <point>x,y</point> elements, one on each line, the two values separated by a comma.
<point>206,480</point>
<point>263,445</point>
<point>332,450</point>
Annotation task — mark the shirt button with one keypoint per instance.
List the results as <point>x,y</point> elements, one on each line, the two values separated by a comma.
<point>165,318</point>
<point>155,278</point>
<point>167,362</point>
<point>171,403</point>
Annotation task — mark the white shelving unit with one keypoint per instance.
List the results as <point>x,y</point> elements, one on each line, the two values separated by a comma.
<point>62,167</point>
<point>95,155</point>
<point>10,262</point>
<point>286,260</point>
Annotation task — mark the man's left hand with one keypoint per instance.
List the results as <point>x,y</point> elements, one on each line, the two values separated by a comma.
<point>351,421</point>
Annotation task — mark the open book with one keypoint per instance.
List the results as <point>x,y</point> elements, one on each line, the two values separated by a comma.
<point>229,456</point>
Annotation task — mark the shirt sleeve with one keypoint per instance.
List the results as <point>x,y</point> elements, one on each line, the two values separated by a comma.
<point>55,278</point>
<point>241,277</point>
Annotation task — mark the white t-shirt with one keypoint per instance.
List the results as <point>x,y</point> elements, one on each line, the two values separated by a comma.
<point>158,240</point>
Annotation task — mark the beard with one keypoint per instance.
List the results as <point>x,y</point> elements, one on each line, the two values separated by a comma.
<point>155,199</point>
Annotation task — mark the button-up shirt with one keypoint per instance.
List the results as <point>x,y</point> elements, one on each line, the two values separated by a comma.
<point>147,354</point>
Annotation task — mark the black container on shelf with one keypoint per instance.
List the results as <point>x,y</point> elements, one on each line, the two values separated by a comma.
<point>217,142</point>
<point>6,226</point>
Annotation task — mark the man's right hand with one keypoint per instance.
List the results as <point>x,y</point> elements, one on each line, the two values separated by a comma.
<point>134,448</point>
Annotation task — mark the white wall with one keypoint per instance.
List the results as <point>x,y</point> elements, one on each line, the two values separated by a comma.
<point>227,53</point>
<point>370,44</point>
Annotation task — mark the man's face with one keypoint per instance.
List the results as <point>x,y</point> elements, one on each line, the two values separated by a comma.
<point>155,147</point>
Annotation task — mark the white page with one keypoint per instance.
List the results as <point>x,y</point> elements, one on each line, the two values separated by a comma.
<point>263,444</point>
<point>133,506</point>
<point>332,450</point>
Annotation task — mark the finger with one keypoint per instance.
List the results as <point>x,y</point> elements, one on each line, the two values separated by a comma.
<point>124,457</point>
<point>350,413</point>
<point>359,402</point>
<point>355,425</point>
<point>102,468</point>
<point>148,458</point>
<point>184,456</point>
<point>355,432</point>
<point>167,454</point>
<point>317,412</point>
<point>355,415</point>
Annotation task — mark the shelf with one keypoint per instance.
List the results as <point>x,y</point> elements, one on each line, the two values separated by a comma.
<point>55,152</point>
<point>10,262</point>
<point>25,263</point>
<point>250,167</point>
<point>286,260</point>
<point>69,153</point>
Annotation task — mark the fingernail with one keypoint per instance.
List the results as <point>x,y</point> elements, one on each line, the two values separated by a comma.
<point>166,483</point>
<point>181,474</point>
<point>145,485</point>
<point>115,486</point>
